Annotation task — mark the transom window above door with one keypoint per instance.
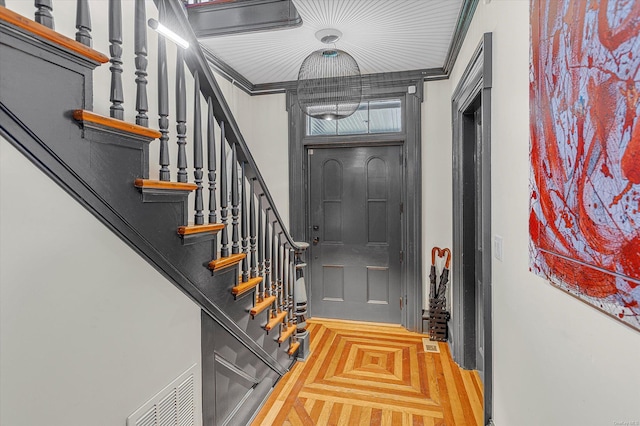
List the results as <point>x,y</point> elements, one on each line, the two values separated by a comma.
<point>380,116</point>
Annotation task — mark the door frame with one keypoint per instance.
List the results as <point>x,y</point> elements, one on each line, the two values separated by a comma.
<point>411,94</point>
<point>475,82</point>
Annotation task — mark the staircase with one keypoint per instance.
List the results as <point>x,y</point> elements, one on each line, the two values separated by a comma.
<point>235,259</point>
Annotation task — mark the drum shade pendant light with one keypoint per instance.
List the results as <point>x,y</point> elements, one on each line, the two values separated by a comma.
<point>329,84</point>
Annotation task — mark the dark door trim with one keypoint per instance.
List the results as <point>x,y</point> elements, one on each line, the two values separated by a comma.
<point>475,83</point>
<point>411,226</point>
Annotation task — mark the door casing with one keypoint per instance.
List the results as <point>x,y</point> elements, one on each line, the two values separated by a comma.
<point>474,85</point>
<point>411,94</point>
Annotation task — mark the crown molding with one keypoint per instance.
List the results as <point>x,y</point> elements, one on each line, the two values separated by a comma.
<point>381,79</point>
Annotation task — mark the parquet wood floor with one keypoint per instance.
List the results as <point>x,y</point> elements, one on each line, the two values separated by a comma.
<point>373,374</point>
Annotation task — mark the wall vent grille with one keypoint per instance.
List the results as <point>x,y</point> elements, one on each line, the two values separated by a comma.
<point>175,405</point>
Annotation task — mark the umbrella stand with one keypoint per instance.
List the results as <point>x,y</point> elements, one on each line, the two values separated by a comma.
<point>438,314</point>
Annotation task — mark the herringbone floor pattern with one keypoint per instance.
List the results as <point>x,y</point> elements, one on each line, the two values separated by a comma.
<point>370,374</point>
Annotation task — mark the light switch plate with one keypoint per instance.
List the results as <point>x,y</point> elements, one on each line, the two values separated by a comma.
<point>497,247</point>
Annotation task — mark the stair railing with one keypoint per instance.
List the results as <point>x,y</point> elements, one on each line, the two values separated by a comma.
<point>271,292</point>
<point>271,252</point>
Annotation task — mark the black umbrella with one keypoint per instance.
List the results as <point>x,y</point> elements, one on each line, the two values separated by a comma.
<point>432,275</point>
<point>444,276</point>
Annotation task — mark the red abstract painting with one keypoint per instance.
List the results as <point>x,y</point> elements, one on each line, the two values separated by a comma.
<point>584,219</point>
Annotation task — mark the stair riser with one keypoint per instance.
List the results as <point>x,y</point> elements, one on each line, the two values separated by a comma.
<point>28,70</point>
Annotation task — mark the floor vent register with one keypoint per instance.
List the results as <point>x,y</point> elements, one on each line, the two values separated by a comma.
<point>430,346</point>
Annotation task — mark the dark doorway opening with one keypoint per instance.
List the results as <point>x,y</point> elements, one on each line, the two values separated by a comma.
<point>472,289</point>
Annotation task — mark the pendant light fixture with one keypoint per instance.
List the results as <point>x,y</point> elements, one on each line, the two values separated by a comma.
<point>329,84</point>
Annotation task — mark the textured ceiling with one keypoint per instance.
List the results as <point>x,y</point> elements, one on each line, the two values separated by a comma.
<point>382,35</point>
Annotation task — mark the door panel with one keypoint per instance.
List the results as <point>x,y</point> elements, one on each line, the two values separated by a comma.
<point>378,285</point>
<point>355,219</point>
<point>333,283</point>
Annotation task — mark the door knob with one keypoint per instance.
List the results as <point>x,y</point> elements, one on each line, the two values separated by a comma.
<point>316,240</point>
<point>316,227</point>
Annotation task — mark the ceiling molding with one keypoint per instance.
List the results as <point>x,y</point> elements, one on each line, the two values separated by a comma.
<point>464,20</point>
<point>368,80</point>
<point>391,78</point>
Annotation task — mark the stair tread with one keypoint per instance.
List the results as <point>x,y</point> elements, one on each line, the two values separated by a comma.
<point>286,333</point>
<point>261,306</point>
<point>273,322</point>
<point>199,229</point>
<point>159,184</point>
<point>224,262</point>
<point>51,35</point>
<point>114,123</point>
<point>293,348</point>
<point>244,287</point>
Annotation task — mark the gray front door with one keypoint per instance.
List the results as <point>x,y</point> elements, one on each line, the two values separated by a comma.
<point>355,213</point>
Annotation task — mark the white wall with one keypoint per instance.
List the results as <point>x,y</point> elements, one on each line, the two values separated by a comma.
<point>88,330</point>
<point>269,145</point>
<point>436,175</point>
<point>263,122</point>
<point>556,360</point>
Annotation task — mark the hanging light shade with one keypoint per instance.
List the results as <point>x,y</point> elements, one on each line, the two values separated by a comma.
<point>329,84</point>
